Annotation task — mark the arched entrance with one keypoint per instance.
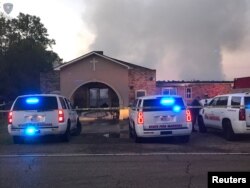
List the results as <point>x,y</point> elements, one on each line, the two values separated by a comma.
<point>95,95</point>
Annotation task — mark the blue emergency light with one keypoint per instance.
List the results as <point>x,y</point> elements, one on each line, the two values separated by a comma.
<point>30,130</point>
<point>32,100</point>
<point>167,101</point>
<point>176,108</point>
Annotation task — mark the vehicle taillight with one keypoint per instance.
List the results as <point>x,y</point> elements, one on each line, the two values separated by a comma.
<point>60,116</point>
<point>242,115</point>
<point>188,116</point>
<point>10,117</point>
<point>140,119</point>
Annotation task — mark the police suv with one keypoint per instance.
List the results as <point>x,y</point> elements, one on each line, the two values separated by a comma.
<point>159,116</point>
<point>42,114</point>
<point>229,113</point>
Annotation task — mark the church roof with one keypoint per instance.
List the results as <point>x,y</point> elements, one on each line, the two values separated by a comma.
<point>100,54</point>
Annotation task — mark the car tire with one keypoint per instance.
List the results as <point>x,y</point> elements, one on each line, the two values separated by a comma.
<point>17,140</point>
<point>201,125</point>
<point>228,131</point>
<point>67,135</point>
<point>137,139</point>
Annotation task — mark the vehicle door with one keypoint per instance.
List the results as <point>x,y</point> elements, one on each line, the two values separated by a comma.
<point>247,107</point>
<point>72,113</point>
<point>234,107</point>
<point>133,110</point>
<point>208,112</point>
<point>219,112</point>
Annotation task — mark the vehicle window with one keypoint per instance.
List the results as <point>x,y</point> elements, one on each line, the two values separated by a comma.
<point>157,105</point>
<point>139,102</point>
<point>62,103</point>
<point>247,102</point>
<point>214,102</point>
<point>40,103</point>
<point>67,104</point>
<point>222,102</point>
<point>235,102</point>
<point>134,103</point>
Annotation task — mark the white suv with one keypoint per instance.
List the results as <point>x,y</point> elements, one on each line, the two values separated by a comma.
<point>159,116</point>
<point>229,113</point>
<point>42,114</point>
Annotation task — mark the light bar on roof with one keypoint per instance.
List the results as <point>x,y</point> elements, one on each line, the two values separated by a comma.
<point>32,100</point>
<point>167,101</point>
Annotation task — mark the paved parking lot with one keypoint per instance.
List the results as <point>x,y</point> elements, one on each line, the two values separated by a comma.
<point>112,137</point>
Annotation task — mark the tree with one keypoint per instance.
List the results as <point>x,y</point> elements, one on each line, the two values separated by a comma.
<point>25,52</point>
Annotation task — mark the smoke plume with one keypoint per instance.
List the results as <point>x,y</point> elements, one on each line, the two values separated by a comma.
<point>192,32</point>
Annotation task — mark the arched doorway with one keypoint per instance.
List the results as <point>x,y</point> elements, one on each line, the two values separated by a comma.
<point>95,95</point>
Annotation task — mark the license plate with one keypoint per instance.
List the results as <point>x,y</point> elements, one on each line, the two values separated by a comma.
<point>35,118</point>
<point>166,118</point>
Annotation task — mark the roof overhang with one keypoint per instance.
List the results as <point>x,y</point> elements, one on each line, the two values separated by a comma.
<point>87,55</point>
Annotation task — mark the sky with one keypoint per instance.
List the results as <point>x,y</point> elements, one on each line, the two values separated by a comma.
<point>181,39</point>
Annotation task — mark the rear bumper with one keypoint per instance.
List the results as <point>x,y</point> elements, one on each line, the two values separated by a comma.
<point>240,127</point>
<point>185,130</point>
<point>40,131</point>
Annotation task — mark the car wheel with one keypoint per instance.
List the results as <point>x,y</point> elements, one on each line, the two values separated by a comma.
<point>201,125</point>
<point>67,135</point>
<point>18,140</point>
<point>228,131</point>
<point>184,139</point>
<point>137,139</point>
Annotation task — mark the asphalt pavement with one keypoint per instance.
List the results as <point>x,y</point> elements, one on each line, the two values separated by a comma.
<point>104,156</point>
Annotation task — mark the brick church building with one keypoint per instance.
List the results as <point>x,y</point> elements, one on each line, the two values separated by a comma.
<point>96,80</point>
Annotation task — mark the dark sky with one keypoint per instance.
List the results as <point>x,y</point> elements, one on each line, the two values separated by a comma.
<point>184,38</point>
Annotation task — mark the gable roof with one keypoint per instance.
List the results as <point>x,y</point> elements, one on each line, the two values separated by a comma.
<point>100,54</point>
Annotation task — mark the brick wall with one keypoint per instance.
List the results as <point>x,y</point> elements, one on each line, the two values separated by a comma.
<point>209,90</point>
<point>50,82</point>
<point>201,89</point>
<point>141,79</point>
